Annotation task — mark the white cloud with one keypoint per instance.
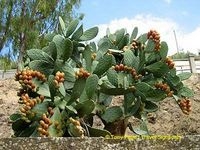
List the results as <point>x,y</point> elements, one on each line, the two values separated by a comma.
<point>190,41</point>
<point>165,26</point>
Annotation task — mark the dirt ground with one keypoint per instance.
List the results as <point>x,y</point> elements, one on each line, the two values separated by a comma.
<point>169,120</point>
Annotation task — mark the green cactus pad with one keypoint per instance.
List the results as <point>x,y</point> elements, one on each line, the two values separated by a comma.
<point>37,54</point>
<point>51,50</point>
<point>62,24</point>
<point>94,132</point>
<point>42,66</point>
<point>78,33</point>
<point>52,88</point>
<point>87,53</point>
<point>119,35</point>
<point>72,27</point>
<point>186,92</point>
<point>39,109</point>
<point>163,50</point>
<point>15,117</point>
<point>123,42</point>
<point>134,34</point>
<point>150,46</point>
<point>55,130</point>
<point>112,77</point>
<point>130,59</point>
<point>42,88</point>
<point>24,129</point>
<point>184,75</point>
<point>158,68</point>
<point>89,34</point>
<point>77,90</point>
<point>85,108</point>
<point>67,51</point>
<point>91,85</point>
<point>150,106</point>
<point>104,64</point>
<point>131,104</point>
<point>112,114</point>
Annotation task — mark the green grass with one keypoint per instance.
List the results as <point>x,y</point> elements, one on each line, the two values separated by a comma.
<point>6,63</point>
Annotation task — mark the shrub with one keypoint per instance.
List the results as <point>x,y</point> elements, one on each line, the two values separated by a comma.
<point>68,82</point>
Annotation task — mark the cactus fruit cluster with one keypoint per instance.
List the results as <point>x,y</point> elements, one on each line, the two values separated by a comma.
<point>134,45</point>
<point>170,62</point>
<point>59,78</point>
<point>75,128</point>
<point>25,78</point>
<point>82,73</point>
<point>164,87</point>
<point>70,81</point>
<point>44,124</point>
<point>28,103</point>
<point>126,69</point>
<point>155,36</point>
<point>185,105</point>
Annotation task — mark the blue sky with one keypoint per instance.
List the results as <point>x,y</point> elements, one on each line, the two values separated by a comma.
<point>165,16</point>
<point>185,12</point>
<point>182,16</point>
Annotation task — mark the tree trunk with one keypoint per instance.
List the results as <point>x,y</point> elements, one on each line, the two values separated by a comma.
<point>22,38</point>
<point>117,128</point>
<point>22,50</point>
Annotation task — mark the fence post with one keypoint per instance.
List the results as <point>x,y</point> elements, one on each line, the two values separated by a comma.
<point>192,64</point>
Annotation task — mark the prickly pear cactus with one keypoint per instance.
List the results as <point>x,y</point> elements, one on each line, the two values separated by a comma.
<point>68,82</point>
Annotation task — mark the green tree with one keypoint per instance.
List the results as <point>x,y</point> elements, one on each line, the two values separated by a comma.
<point>182,55</point>
<point>23,23</point>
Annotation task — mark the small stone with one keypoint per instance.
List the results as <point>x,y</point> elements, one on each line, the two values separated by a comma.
<point>72,144</point>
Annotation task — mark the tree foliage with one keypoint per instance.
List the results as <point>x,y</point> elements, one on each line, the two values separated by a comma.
<point>23,23</point>
<point>182,55</point>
